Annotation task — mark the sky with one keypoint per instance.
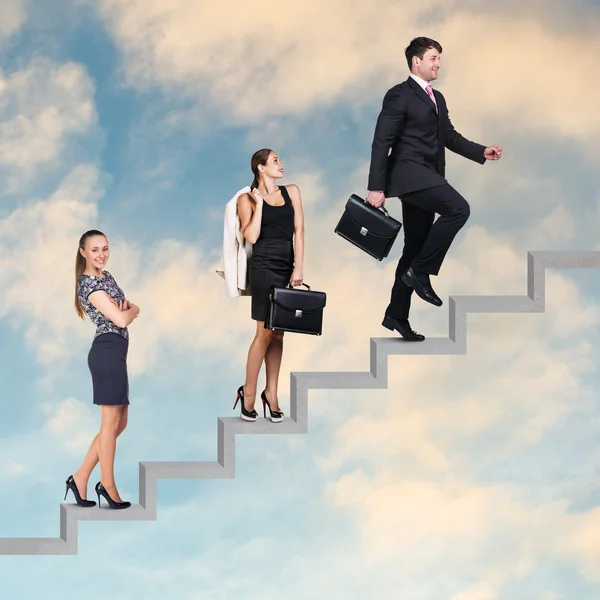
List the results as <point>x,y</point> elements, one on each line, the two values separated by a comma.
<point>471,477</point>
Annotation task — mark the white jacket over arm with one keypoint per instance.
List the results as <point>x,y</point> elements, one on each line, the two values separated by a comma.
<point>236,251</point>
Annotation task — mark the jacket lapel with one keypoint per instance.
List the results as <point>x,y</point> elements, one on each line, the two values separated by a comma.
<point>421,93</point>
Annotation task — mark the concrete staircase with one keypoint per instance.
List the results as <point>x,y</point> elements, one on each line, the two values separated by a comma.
<point>297,422</point>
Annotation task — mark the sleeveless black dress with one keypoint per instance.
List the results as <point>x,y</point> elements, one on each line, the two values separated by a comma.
<point>272,260</point>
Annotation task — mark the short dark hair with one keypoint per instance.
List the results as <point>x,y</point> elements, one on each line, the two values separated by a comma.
<point>418,47</point>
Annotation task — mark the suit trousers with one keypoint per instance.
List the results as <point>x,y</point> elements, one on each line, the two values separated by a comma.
<point>425,242</point>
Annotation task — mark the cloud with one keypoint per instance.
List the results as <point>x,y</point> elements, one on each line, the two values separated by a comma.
<point>190,312</point>
<point>584,540</point>
<point>224,52</point>
<point>224,55</point>
<point>482,590</point>
<point>419,501</point>
<point>63,428</point>
<point>16,468</point>
<point>493,533</point>
<point>72,420</point>
<point>13,17</point>
<point>425,468</point>
<point>38,247</point>
<point>417,498</point>
<point>528,380</point>
<point>41,107</point>
<point>182,302</point>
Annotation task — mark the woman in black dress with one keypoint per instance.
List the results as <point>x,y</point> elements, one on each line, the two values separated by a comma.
<point>98,295</point>
<point>272,219</point>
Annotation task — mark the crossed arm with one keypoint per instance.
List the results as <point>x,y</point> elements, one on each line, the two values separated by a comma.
<point>121,314</point>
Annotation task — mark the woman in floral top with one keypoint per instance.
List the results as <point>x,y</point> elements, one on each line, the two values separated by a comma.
<point>98,295</point>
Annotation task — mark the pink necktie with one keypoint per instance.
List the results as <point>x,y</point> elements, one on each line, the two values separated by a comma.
<point>430,94</point>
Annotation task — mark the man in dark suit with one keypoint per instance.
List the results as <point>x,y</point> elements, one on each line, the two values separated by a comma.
<point>414,123</point>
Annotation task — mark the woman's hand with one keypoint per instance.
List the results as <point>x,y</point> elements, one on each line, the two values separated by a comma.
<point>297,276</point>
<point>257,197</point>
<point>125,304</point>
<point>119,304</point>
<point>122,304</point>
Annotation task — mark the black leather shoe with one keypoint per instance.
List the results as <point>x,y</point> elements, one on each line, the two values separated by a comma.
<point>403,328</point>
<point>423,290</point>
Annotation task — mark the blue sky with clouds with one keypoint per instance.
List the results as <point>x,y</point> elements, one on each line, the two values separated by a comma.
<point>472,477</point>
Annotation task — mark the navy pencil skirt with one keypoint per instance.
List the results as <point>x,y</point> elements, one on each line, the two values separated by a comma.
<point>107,361</point>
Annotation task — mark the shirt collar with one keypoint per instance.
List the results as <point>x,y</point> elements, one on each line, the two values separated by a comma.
<point>420,81</point>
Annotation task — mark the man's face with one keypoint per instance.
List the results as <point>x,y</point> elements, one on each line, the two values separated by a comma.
<point>427,67</point>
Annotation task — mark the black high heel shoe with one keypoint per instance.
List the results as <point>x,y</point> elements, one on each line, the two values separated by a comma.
<point>247,415</point>
<point>101,490</point>
<point>276,415</point>
<point>71,485</point>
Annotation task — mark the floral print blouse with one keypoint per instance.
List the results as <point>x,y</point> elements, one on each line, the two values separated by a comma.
<point>90,283</point>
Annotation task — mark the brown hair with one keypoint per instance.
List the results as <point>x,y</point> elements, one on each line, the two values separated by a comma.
<point>418,47</point>
<point>260,157</point>
<point>80,267</point>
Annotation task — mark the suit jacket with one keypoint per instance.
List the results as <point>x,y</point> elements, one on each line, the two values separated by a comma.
<point>408,124</point>
<point>233,266</point>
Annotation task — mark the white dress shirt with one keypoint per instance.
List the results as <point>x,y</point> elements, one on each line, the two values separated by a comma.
<point>420,81</point>
<point>424,84</point>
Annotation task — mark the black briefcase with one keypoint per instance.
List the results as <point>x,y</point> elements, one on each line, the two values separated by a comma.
<point>371,229</point>
<point>297,311</point>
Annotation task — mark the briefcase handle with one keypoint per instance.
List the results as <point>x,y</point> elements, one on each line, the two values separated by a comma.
<point>381,208</point>
<point>290,286</point>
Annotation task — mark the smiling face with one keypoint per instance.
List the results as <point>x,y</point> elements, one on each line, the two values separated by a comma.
<point>95,252</point>
<point>273,167</point>
<point>427,67</point>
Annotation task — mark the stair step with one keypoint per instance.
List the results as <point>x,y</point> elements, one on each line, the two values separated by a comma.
<point>297,421</point>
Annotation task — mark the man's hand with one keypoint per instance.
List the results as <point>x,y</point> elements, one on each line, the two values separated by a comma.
<point>493,153</point>
<point>376,199</point>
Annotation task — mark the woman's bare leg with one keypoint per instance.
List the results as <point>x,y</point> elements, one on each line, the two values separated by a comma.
<point>82,475</point>
<point>256,356</point>
<point>273,365</point>
<point>107,444</point>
